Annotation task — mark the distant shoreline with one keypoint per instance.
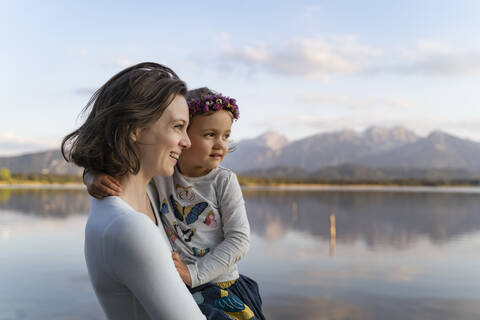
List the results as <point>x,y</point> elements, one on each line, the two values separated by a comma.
<point>43,186</point>
<point>366,188</point>
<point>287,187</point>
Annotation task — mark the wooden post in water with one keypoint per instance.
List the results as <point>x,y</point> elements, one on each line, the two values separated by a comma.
<point>294,211</point>
<point>333,234</point>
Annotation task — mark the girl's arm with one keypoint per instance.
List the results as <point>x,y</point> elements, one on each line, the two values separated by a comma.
<point>101,185</point>
<point>236,230</point>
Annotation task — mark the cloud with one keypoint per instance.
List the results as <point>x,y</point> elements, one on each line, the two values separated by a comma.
<point>324,57</point>
<point>458,64</point>
<point>84,91</point>
<point>354,103</point>
<point>314,124</point>
<point>304,57</point>
<point>319,122</point>
<point>123,62</point>
<point>432,58</point>
<point>424,49</point>
<point>11,144</point>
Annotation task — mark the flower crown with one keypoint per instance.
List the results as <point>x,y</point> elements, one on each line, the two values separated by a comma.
<point>213,102</point>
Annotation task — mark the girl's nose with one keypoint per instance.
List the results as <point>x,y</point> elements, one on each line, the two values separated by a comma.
<point>220,143</point>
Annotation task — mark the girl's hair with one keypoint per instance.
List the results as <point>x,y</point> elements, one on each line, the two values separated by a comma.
<point>198,93</point>
<point>133,99</point>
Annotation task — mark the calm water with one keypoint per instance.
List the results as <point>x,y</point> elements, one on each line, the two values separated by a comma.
<point>391,255</point>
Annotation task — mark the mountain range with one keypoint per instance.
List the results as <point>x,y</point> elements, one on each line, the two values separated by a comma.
<point>375,152</point>
<point>48,162</point>
<point>397,149</point>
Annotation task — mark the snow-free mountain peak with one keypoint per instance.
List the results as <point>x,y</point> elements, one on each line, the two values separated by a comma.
<point>391,137</point>
<point>272,140</point>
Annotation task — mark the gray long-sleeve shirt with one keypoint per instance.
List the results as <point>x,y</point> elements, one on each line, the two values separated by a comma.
<point>206,221</point>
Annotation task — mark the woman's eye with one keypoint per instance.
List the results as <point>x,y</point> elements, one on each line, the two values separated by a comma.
<point>179,126</point>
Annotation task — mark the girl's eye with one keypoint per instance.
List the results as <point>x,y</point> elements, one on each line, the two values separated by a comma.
<point>210,134</point>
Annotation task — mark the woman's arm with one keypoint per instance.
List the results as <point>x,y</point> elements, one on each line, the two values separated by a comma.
<point>236,231</point>
<point>139,257</point>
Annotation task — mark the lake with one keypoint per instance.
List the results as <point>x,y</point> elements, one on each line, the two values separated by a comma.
<point>324,254</point>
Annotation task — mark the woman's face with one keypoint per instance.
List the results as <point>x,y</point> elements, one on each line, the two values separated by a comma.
<point>161,144</point>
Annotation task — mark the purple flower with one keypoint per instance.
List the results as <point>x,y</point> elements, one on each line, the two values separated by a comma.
<point>213,102</point>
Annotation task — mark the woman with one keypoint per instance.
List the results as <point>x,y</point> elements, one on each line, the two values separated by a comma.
<point>135,130</point>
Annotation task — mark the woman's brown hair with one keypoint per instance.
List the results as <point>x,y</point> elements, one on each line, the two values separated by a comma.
<point>134,98</point>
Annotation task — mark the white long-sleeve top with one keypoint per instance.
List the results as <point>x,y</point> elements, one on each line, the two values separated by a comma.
<point>206,221</point>
<point>130,265</point>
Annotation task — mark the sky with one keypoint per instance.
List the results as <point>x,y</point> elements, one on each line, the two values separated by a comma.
<point>295,67</point>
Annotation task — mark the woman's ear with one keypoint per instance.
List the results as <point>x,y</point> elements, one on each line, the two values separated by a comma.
<point>135,134</point>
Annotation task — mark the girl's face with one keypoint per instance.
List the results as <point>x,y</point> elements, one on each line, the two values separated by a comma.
<point>161,144</point>
<point>209,136</point>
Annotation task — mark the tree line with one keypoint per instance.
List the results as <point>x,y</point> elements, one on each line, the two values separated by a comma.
<point>6,176</point>
<point>264,181</point>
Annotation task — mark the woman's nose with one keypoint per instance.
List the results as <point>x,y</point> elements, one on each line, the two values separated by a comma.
<point>185,142</point>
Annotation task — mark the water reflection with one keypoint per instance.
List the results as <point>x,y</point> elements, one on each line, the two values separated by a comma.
<point>45,203</point>
<point>380,219</point>
<point>316,255</point>
<point>333,235</point>
<point>366,307</point>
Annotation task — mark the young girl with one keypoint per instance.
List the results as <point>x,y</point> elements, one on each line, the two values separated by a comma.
<point>203,212</point>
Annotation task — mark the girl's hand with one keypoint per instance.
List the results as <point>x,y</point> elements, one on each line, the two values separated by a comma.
<point>182,269</point>
<point>101,185</point>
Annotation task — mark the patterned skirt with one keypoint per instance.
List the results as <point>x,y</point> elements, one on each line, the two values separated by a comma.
<point>237,300</point>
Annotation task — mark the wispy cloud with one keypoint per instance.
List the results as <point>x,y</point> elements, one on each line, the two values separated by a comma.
<point>324,57</point>
<point>432,58</point>
<point>123,62</point>
<point>353,103</point>
<point>318,57</point>
<point>317,123</point>
<point>458,64</point>
<point>84,91</point>
<point>10,144</point>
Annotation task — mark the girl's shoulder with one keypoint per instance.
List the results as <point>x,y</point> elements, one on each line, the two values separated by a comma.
<point>222,177</point>
<point>225,172</point>
<point>226,180</point>
<point>219,174</point>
